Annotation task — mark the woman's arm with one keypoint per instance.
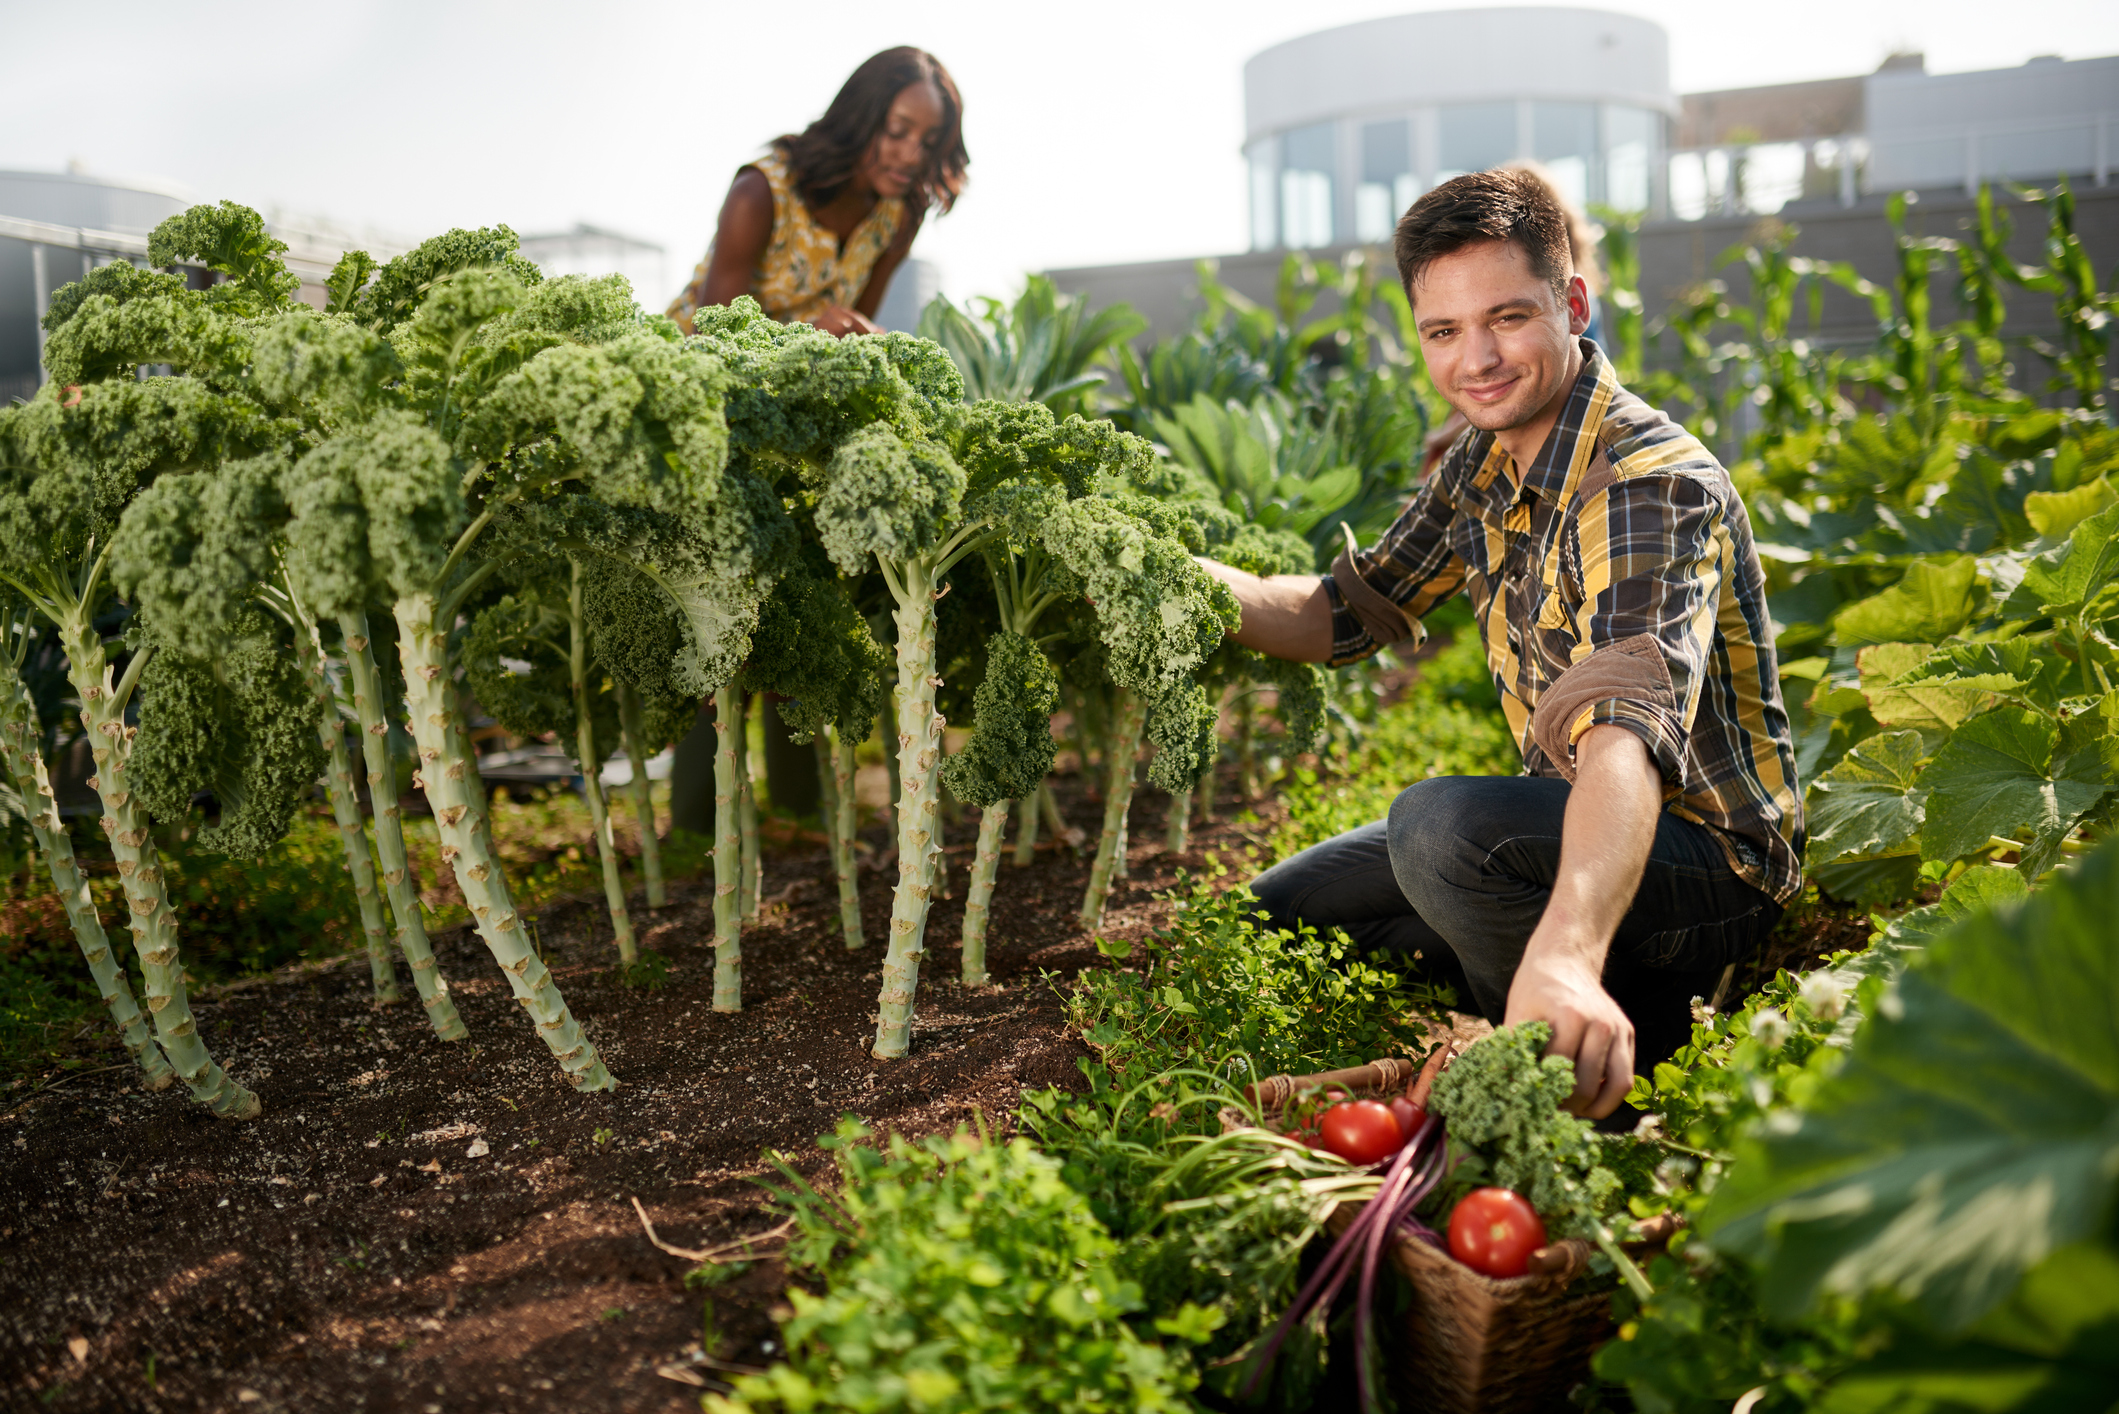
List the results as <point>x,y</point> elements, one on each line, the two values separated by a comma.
<point>741,234</point>
<point>887,265</point>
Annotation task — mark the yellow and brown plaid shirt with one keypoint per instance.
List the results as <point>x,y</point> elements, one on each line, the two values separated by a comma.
<point>1615,582</point>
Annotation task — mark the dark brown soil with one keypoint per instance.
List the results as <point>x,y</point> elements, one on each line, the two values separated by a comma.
<point>345,1251</point>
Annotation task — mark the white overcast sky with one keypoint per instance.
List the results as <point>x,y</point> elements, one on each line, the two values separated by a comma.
<point>1100,130</point>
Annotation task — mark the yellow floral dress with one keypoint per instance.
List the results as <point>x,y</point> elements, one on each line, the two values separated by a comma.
<point>805,267</point>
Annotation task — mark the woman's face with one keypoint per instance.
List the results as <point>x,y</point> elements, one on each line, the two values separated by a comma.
<point>899,155</point>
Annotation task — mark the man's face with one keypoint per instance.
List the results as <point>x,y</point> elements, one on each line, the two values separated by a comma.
<point>1499,342</point>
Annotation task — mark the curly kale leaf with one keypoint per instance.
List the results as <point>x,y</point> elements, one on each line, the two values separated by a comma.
<point>105,339</point>
<point>1502,1098</point>
<point>1011,746</point>
<point>1160,614</point>
<point>400,286</point>
<point>67,470</point>
<point>241,724</point>
<point>376,507</point>
<point>888,497</point>
<point>1304,694</point>
<point>191,550</point>
<point>812,647</point>
<point>230,240</point>
<point>325,369</point>
<point>120,283</point>
<point>1182,725</point>
<point>796,393</point>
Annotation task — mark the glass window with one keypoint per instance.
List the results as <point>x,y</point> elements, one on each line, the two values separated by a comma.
<point>1769,175</point>
<point>1563,138</point>
<point>1306,186</point>
<point>1474,137</point>
<point>1265,206</point>
<point>1388,185</point>
<point>1632,137</point>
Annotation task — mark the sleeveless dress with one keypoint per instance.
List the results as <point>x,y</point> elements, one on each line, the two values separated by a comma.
<point>805,267</point>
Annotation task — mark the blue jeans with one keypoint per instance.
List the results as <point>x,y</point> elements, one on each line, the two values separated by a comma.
<point>1460,874</point>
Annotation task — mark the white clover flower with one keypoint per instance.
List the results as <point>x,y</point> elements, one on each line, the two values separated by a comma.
<point>1825,995</point>
<point>1770,1026</point>
<point>1701,1012</point>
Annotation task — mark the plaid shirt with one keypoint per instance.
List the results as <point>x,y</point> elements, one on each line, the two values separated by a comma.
<point>1617,581</point>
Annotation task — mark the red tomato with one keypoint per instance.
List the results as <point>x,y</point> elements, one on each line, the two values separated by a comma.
<point>1494,1230</point>
<point>1409,1115</point>
<point>1361,1131</point>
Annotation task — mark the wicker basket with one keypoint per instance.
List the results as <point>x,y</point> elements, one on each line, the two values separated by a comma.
<point>1469,1344</point>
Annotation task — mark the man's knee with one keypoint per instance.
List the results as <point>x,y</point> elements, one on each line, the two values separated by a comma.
<point>1430,848</point>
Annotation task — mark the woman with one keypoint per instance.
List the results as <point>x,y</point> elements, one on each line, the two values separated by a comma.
<point>815,229</point>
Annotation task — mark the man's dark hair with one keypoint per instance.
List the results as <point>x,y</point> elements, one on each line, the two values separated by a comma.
<point>825,153</point>
<point>1501,205</point>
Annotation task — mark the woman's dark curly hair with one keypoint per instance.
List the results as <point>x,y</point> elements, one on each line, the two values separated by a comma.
<point>825,154</point>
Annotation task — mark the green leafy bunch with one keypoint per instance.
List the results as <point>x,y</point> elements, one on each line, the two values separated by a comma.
<point>1987,728</point>
<point>1012,747</point>
<point>240,723</point>
<point>1501,1098</point>
<point>1207,1218</point>
<point>813,647</point>
<point>1215,989</point>
<point>515,660</point>
<point>956,1274</point>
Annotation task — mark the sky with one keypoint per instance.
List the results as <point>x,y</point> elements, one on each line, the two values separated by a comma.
<point>1099,130</point>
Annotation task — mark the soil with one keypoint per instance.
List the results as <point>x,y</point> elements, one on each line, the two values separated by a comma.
<point>346,1251</point>
<point>419,1226</point>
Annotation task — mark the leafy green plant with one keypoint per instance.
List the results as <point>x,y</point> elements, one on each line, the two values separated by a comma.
<point>1218,990</point>
<point>1041,349</point>
<point>957,1274</point>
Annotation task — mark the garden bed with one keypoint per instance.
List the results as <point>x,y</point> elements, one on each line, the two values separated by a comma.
<point>343,1251</point>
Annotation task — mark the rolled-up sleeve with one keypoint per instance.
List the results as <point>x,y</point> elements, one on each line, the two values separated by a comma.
<point>1653,551</point>
<point>1387,590</point>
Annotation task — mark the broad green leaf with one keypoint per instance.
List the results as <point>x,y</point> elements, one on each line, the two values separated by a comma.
<point>1982,887</point>
<point>1933,601</point>
<point>2055,513</point>
<point>1870,882</point>
<point>1867,803</point>
<point>2064,579</point>
<point>1936,709</point>
<point>2052,1348</point>
<point>1972,1132</point>
<point>2020,667</point>
<point>1994,778</point>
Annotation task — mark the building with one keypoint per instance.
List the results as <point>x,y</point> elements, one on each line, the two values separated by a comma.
<point>1343,129</point>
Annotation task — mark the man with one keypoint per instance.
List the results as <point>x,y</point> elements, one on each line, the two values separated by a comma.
<point>1657,832</point>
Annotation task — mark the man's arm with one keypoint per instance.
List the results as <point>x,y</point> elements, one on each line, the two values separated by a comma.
<point>1284,615</point>
<point>1604,842</point>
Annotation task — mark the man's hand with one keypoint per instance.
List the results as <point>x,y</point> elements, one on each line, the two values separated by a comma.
<point>1562,989</point>
<point>1604,844</point>
<point>839,321</point>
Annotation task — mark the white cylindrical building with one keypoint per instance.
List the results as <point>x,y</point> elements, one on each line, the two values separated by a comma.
<point>1344,128</point>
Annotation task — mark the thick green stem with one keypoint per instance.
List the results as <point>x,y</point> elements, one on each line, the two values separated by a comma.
<point>919,777</point>
<point>154,923</point>
<point>1118,797</point>
<point>447,772</point>
<point>398,883</point>
<point>728,853</point>
<point>1026,829</point>
<point>590,760</point>
<point>1048,806</point>
<point>345,799</point>
<point>1247,745</point>
<point>835,769</point>
<point>993,824</point>
<point>1178,837</point>
<point>747,819</point>
<point>25,771</point>
<point>633,721</point>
